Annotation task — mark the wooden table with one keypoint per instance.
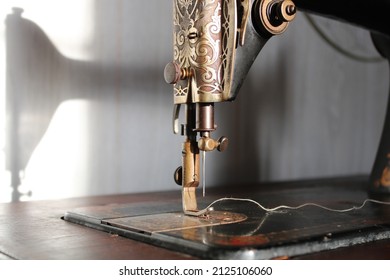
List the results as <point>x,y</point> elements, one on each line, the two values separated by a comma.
<point>35,230</point>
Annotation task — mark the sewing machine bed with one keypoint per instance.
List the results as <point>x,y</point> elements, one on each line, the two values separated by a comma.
<point>242,230</point>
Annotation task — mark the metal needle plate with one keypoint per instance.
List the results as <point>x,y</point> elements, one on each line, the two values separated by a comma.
<point>241,230</point>
<point>166,222</point>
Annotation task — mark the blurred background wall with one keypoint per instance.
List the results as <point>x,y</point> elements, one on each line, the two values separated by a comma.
<point>85,109</point>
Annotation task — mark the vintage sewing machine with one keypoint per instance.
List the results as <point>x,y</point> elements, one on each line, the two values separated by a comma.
<point>215,43</point>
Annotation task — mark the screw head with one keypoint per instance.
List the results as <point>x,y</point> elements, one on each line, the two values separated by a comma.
<point>223,143</point>
<point>172,73</point>
<point>178,175</point>
<point>287,10</point>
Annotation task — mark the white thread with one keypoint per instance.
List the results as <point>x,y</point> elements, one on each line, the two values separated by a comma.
<point>205,210</point>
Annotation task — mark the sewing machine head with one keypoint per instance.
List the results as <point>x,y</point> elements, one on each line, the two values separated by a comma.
<point>215,43</point>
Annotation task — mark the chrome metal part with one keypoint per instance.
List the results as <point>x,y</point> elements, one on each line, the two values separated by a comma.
<point>273,16</point>
<point>175,118</point>
<point>205,117</point>
<point>207,144</point>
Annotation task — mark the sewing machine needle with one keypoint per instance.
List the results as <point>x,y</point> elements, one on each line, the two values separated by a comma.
<point>204,172</point>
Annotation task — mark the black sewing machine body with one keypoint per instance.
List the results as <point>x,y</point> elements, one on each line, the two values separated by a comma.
<point>372,16</point>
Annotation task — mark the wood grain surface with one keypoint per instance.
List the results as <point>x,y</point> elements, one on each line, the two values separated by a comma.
<point>35,230</point>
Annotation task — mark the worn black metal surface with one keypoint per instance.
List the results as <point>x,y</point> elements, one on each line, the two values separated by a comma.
<point>372,15</point>
<point>380,174</point>
<point>263,234</point>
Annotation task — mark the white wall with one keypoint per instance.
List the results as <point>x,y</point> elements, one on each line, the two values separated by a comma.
<point>96,112</point>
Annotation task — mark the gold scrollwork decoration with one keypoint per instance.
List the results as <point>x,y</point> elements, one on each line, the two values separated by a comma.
<point>204,42</point>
